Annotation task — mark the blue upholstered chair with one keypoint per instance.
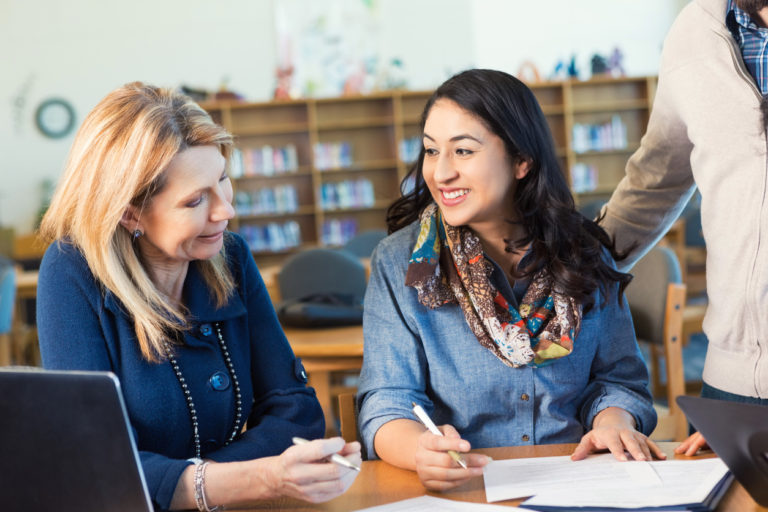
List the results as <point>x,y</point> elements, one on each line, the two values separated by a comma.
<point>321,287</point>
<point>7,301</point>
<point>363,244</point>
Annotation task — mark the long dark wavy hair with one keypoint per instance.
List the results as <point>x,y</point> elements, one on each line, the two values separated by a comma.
<point>563,241</point>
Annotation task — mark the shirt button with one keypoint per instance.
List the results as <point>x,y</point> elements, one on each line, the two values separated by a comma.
<point>525,437</point>
<point>219,381</point>
<point>206,329</point>
<point>524,397</point>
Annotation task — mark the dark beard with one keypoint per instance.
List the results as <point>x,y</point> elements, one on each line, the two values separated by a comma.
<point>751,6</point>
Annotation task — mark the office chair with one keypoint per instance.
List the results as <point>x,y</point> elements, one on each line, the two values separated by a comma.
<point>656,299</point>
<point>363,244</point>
<point>321,288</point>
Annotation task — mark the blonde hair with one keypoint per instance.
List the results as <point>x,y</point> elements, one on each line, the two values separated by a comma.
<point>119,158</point>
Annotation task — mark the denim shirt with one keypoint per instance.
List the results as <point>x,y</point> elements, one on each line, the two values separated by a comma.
<point>431,357</point>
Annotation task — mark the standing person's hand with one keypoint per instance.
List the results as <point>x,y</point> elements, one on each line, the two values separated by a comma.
<point>436,469</point>
<point>305,471</point>
<point>693,444</point>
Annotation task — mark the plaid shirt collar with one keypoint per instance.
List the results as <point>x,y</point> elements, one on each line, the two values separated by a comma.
<point>753,42</point>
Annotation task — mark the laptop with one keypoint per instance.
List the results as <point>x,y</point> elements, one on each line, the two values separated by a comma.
<point>738,434</point>
<point>66,444</point>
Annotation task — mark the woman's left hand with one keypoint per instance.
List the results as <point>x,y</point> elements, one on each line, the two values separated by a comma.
<point>614,429</point>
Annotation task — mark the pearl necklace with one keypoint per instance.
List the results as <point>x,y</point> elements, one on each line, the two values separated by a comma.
<point>191,404</point>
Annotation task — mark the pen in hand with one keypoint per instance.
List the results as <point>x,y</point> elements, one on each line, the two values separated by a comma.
<point>338,459</point>
<point>427,421</point>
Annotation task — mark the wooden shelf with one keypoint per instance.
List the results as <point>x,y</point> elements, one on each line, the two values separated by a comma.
<point>372,126</point>
<point>355,124</point>
<point>412,119</point>
<point>631,148</point>
<point>302,172</point>
<point>303,211</point>
<point>550,110</point>
<point>610,106</point>
<point>279,129</point>
<point>378,205</point>
<point>371,165</point>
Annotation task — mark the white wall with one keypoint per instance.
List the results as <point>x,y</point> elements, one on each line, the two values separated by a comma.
<point>81,49</point>
<point>509,33</point>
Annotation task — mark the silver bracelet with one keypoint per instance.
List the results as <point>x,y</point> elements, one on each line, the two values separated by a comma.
<point>203,467</point>
<point>199,482</point>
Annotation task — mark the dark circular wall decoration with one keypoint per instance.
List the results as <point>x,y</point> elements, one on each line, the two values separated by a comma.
<point>55,118</point>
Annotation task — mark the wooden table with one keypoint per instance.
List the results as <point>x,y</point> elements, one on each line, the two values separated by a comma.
<point>324,351</point>
<point>380,483</point>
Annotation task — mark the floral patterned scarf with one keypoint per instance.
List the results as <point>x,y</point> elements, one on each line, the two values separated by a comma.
<point>448,266</point>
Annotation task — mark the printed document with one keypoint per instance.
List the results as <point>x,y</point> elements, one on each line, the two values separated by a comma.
<point>601,480</point>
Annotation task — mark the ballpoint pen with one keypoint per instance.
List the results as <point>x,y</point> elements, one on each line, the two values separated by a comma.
<point>338,459</point>
<point>427,421</point>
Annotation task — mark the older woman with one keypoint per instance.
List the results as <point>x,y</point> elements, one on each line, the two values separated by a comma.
<point>494,304</point>
<point>146,282</point>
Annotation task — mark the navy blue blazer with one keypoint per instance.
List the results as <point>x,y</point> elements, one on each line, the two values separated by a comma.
<point>82,326</point>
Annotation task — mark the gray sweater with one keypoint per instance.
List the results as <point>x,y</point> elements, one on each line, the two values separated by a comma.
<point>706,130</point>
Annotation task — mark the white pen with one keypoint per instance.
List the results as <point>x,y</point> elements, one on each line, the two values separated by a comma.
<point>338,459</point>
<point>427,421</point>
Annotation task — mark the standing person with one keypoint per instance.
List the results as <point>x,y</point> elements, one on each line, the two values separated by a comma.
<point>707,129</point>
<point>144,281</point>
<point>494,304</point>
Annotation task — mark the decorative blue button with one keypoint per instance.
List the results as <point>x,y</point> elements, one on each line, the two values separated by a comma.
<point>219,381</point>
<point>206,329</point>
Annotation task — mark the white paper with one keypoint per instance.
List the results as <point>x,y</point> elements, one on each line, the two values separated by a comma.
<point>519,478</point>
<point>431,503</point>
<point>601,480</point>
<point>683,482</point>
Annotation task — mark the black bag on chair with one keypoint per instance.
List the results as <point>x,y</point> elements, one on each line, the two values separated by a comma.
<point>321,310</point>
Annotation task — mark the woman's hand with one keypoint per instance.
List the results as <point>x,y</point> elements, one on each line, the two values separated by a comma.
<point>436,469</point>
<point>693,444</point>
<point>304,471</point>
<point>614,429</point>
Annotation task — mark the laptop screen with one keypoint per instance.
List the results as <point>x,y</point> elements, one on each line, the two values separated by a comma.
<point>66,444</point>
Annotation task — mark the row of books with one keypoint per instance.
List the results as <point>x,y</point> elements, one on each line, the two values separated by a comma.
<point>332,155</point>
<point>338,231</point>
<point>268,200</point>
<point>409,148</point>
<point>264,161</point>
<point>347,194</point>
<point>600,137</point>
<point>583,177</point>
<point>272,237</point>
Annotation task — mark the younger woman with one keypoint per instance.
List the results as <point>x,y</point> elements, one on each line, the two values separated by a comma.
<point>494,304</point>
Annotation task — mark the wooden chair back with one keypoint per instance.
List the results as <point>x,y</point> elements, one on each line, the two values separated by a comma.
<point>348,417</point>
<point>657,301</point>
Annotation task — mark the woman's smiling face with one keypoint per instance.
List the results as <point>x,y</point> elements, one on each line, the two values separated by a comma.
<point>467,168</point>
<point>186,220</point>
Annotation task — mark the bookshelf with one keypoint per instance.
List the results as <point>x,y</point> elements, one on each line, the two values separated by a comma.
<point>314,172</point>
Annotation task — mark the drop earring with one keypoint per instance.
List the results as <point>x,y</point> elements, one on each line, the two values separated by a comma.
<point>136,234</point>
